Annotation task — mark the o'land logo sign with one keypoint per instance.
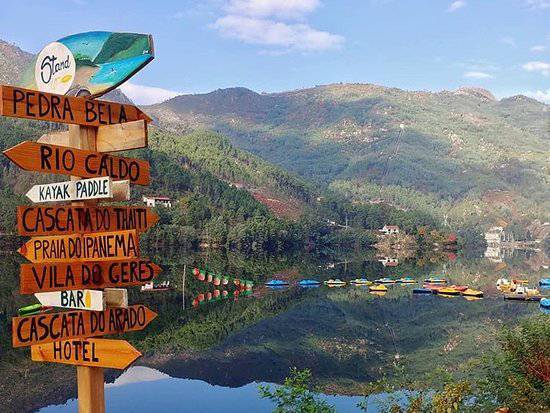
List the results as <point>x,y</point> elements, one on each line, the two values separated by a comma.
<point>55,69</point>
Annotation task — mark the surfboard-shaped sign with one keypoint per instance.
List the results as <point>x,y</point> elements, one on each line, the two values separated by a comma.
<point>88,64</point>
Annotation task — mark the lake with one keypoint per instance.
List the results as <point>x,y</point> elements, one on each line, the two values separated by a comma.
<point>208,351</point>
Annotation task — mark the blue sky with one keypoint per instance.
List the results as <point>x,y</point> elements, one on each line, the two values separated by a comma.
<point>276,45</point>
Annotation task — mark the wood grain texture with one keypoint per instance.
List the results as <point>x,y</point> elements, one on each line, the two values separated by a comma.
<point>91,389</point>
<point>92,352</point>
<point>98,246</point>
<point>50,327</point>
<point>110,138</point>
<point>60,220</point>
<point>41,157</point>
<point>31,104</point>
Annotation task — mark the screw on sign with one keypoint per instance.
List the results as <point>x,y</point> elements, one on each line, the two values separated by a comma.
<point>79,249</point>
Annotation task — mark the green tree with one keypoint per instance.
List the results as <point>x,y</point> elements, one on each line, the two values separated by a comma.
<point>295,395</point>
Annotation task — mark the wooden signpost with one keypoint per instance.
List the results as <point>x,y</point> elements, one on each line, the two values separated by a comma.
<point>61,220</point>
<point>31,104</point>
<point>82,251</point>
<point>110,138</point>
<point>93,352</point>
<point>36,278</point>
<point>42,157</point>
<point>50,327</point>
<point>98,246</point>
<point>93,300</point>
<point>83,189</point>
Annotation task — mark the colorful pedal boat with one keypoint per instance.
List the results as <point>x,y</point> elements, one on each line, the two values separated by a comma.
<point>460,288</point>
<point>447,291</point>
<point>335,283</point>
<point>309,283</point>
<point>385,281</point>
<point>378,288</point>
<point>406,280</point>
<point>470,292</point>
<point>276,283</point>
<point>433,280</point>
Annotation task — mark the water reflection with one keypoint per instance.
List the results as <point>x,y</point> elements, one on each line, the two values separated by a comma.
<point>347,336</point>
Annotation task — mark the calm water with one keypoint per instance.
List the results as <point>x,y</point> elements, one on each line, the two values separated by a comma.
<point>210,357</point>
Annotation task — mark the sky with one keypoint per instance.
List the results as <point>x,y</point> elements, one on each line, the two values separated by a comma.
<point>278,45</point>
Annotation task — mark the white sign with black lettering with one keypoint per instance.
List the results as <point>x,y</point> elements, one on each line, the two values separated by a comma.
<point>92,300</point>
<point>93,188</point>
<point>55,69</point>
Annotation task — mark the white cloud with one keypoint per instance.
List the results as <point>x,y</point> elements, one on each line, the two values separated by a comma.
<point>542,67</point>
<point>478,75</point>
<point>538,48</point>
<point>455,5</point>
<point>147,95</point>
<point>543,96</point>
<point>283,9</point>
<point>300,37</point>
<point>538,4</point>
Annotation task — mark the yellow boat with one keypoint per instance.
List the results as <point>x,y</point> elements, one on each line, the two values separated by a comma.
<point>335,283</point>
<point>447,291</point>
<point>378,288</point>
<point>470,292</point>
<point>378,293</point>
<point>406,280</point>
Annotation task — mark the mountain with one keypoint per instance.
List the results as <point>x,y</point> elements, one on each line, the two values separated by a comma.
<point>461,155</point>
<point>13,62</point>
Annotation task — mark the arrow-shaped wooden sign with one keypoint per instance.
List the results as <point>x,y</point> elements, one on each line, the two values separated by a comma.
<point>110,138</point>
<point>50,327</point>
<point>93,300</point>
<point>31,104</point>
<point>76,299</point>
<point>41,157</point>
<point>92,188</point>
<point>59,220</point>
<point>93,352</point>
<point>36,278</point>
<point>99,246</point>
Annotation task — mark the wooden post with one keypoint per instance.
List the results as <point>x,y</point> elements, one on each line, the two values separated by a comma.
<point>90,380</point>
<point>91,391</point>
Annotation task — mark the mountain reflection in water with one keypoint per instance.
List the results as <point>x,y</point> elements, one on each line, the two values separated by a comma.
<point>144,390</point>
<point>207,349</point>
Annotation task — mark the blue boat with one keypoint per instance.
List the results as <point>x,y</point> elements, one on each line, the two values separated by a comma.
<point>422,291</point>
<point>545,282</point>
<point>545,303</point>
<point>276,283</point>
<point>309,283</point>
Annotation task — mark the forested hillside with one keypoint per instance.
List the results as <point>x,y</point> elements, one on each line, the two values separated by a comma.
<point>460,155</point>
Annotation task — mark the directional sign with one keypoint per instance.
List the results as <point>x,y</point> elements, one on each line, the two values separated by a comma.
<point>110,138</point>
<point>31,104</point>
<point>50,327</point>
<point>75,299</point>
<point>70,276</point>
<point>41,157</point>
<point>58,220</point>
<point>93,352</point>
<point>93,188</point>
<point>99,246</point>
